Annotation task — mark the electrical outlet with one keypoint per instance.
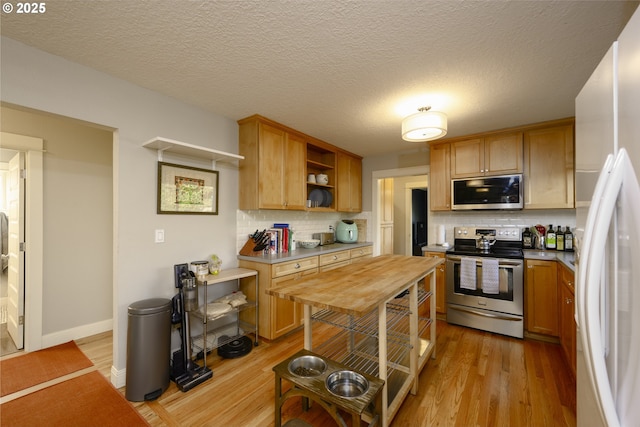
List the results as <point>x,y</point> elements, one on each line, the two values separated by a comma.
<point>159,236</point>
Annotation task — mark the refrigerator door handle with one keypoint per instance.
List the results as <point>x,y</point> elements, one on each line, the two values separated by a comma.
<point>586,241</point>
<point>591,332</point>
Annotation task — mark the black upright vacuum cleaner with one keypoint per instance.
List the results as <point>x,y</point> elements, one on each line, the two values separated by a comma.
<point>184,371</point>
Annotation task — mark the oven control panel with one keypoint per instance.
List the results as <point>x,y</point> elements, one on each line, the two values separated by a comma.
<point>513,234</point>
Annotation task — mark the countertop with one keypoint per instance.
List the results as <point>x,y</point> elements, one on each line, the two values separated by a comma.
<point>303,253</point>
<point>436,248</point>
<point>358,291</point>
<point>566,258</point>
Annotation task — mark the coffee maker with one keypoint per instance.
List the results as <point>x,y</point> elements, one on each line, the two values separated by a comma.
<point>185,372</point>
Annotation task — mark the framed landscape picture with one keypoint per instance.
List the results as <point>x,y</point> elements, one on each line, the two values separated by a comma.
<point>187,190</point>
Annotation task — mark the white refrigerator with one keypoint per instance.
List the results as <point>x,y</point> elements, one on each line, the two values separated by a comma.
<point>608,237</point>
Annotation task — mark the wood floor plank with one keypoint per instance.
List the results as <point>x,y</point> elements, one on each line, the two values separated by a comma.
<point>477,379</point>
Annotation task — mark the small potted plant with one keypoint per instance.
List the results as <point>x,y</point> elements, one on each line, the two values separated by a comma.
<point>215,264</point>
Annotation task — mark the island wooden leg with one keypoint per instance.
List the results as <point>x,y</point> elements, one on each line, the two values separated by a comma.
<point>308,330</point>
<point>414,339</point>
<point>433,310</point>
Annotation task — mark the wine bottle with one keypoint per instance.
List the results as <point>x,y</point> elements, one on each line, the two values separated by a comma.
<point>568,239</point>
<point>527,240</point>
<point>551,237</point>
<point>559,239</point>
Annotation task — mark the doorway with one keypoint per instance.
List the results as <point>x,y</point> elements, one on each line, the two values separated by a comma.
<point>27,264</point>
<point>404,180</point>
<point>419,220</point>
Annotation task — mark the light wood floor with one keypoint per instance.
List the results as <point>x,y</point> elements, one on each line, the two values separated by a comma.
<point>477,378</point>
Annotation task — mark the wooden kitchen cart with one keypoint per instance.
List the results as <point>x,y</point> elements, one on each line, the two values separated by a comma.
<point>245,322</point>
<point>375,306</point>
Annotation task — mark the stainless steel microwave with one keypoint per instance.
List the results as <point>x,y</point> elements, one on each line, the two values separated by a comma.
<point>487,192</point>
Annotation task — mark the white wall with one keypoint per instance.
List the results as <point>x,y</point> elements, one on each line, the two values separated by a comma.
<point>78,223</point>
<point>142,268</point>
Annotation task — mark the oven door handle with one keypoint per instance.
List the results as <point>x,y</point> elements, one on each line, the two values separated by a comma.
<point>479,262</point>
<point>485,314</point>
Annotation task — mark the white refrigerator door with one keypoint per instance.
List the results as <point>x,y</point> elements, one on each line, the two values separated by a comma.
<point>612,360</point>
<point>628,254</point>
<point>596,108</point>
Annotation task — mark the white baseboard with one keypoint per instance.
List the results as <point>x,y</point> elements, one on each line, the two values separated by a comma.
<point>118,377</point>
<point>76,333</point>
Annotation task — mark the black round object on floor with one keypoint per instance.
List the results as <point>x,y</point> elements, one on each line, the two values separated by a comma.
<point>237,348</point>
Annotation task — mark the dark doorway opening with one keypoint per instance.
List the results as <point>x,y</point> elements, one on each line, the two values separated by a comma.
<point>419,224</point>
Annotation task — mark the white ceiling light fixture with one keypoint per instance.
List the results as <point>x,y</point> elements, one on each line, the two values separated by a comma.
<point>424,125</point>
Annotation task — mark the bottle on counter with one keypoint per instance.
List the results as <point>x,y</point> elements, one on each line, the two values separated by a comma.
<point>527,239</point>
<point>568,239</point>
<point>551,238</point>
<point>559,239</point>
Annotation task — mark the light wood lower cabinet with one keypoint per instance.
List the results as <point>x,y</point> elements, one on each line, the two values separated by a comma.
<point>441,303</point>
<point>279,316</point>
<point>334,260</point>
<point>566,307</point>
<point>541,291</point>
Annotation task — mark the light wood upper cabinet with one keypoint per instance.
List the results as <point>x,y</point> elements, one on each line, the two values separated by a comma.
<point>272,173</point>
<point>349,183</point>
<point>439,177</point>
<point>277,160</point>
<point>497,154</point>
<point>549,168</point>
<point>503,154</point>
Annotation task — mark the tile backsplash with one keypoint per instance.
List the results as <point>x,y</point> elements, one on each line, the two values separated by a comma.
<point>303,224</point>
<point>520,219</point>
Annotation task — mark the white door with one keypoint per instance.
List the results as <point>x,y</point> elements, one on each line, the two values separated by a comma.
<point>385,191</point>
<point>15,305</point>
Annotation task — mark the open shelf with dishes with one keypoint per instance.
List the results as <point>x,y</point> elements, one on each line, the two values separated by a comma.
<point>321,162</point>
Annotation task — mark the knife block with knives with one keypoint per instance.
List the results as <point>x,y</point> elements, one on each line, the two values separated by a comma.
<point>256,244</point>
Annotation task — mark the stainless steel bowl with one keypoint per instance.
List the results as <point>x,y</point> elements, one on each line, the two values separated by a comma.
<point>347,384</point>
<point>307,366</point>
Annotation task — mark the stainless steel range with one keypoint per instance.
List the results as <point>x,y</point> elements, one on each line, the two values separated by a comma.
<point>485,280</point>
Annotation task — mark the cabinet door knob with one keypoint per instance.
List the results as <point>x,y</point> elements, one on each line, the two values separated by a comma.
<point>297,265</point>
<point>568,300</point>
<point>335,257</point>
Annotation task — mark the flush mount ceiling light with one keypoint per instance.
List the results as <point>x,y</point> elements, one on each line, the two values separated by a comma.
<point>424,125</point>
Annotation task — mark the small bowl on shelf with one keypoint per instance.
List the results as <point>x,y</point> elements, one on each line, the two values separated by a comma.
<point>307,366</point>
<point>347,384</point>
<point>309,243</point>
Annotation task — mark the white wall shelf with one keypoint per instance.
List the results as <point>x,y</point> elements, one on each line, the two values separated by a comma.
<point>195,151</point>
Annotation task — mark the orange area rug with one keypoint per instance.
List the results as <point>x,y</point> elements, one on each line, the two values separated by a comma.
<point>87,400</point>
<point>22,372</point>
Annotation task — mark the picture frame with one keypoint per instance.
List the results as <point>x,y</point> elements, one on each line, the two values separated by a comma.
<point>187,190</point>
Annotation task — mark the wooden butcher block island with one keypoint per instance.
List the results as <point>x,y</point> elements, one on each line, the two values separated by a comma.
<point>383,311</point>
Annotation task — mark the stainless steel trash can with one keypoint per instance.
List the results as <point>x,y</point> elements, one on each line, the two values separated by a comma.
<point>148,349</point>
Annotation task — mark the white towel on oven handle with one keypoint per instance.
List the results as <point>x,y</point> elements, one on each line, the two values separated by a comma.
<point>468,273</point>
<point>490,276</point>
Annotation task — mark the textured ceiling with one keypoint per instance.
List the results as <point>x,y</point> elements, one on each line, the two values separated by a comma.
<point>343,71</point>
